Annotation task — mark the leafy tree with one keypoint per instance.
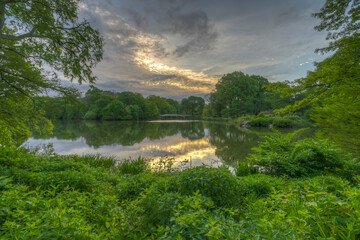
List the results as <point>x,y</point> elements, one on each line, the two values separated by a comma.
<point>136,112</point>
<point>276,100</point>
<point>129,98</point>
<point>145,109</point>
<point>47,104</point>
<point>100,105</point>
<point>192,105</point>
<point>16,117</point>
<point>174,105</point>
<point>115,110</point>
<point>151,111</point>
<point>67,107</point>
<point>238,93</point>
<point>161,103</point>
<point>341,19</point>
<point>36,35</point>
<point>333,88</point>
<point>92,95</point>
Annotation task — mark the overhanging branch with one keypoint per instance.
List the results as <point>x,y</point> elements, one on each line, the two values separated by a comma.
<point>13,86</point>
<point>19,37</point>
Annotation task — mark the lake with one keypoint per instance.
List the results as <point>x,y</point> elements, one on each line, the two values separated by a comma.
<point>197,142</point>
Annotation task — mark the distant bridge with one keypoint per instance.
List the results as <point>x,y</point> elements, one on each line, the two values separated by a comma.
<point>174,116</point>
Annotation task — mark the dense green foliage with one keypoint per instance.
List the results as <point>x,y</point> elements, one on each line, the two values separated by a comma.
<point>334,85</point>
<point>192,106</point>
<point>282,122</point>
<point>237,93</point>
<point>164,105</point>
<point>90,197</point>
<point>105,105</point>
<point>282,156</point>
<point>260,122</point>
<point>40,39</point>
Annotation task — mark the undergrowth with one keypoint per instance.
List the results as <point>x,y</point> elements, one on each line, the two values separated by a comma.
<point>286,190</point>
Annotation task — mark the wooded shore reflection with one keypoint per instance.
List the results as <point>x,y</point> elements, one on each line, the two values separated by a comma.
<point>202,142</point>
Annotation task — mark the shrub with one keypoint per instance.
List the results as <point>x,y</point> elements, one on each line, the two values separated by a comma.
<point>193,218</point>
<point>3,182</point>
<point>260,122</point>
<point>154,208</point>
<point>329,184</point>
<point>60,180</point>
<point>279,155</point>
<point>219,184</point>
<point>131,186</point>
<point>43,173</point>
<point>261,114</point>
<point>282,122</point>
<point>306,209</point>
<point>261,185</point>
<point>90,115</point>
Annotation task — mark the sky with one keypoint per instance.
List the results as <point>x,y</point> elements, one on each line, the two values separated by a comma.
<point>179,48</point>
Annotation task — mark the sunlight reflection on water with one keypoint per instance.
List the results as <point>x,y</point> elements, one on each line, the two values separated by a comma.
<point>196,142</point>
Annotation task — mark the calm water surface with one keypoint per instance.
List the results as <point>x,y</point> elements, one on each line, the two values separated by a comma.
<point>195,141</point>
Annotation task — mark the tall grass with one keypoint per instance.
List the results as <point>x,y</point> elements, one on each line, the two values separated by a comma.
<point>97,160</point>
<point>244,169</point>
<point>132,166</point>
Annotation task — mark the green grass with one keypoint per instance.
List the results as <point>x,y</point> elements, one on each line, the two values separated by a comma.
<point>90,197</point>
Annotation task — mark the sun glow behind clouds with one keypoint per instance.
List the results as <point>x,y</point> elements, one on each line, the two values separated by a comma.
<point>181,78</point>
<point>149,55</point>
<point>147,58</point>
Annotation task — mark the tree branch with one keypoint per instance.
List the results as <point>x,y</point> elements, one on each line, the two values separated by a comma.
<point>16,75</point>
<point>20,54</point>
<point>13,50</point>
<point>19,37</point>
<point>13,86</point>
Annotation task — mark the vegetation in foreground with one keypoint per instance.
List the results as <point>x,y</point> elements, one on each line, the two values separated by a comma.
<point>286,190</point>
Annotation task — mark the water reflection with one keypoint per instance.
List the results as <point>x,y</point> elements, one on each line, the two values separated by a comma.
<point>200,142</point>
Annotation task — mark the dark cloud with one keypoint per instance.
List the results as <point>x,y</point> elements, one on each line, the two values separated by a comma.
<point>174,18</point>
<point>202,42</point>
<point>194,25</point>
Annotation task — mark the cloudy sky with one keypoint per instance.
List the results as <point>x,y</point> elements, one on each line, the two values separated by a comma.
<point>178,48</point>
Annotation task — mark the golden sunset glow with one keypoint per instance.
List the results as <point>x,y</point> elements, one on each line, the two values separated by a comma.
<point>197,151</point>
<point>180,77</point>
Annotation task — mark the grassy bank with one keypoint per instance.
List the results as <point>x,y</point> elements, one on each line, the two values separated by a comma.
<point>286,190</point>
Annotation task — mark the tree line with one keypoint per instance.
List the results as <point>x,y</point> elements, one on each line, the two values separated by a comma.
<point>107,105</point>
<point>235,94</point>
